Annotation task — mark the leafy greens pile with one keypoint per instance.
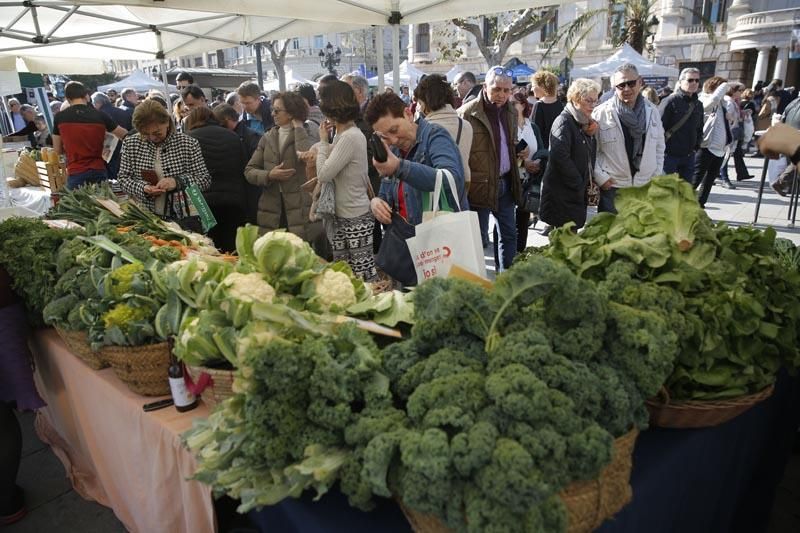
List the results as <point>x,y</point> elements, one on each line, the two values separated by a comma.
<point>498,401</point>
<point>731,298</point>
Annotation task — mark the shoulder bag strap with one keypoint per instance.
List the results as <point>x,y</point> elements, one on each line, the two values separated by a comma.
<point>678,125</point>
<point>460,127</point>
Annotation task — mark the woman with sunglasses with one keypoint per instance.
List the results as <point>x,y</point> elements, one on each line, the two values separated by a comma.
<point>277,170</point>
<point>572,158</point>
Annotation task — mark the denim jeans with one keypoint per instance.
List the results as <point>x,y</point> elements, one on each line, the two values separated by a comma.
<point>90,176</point>
<point>683,165</point>
<point>606,204</point>
<point>506,222</point>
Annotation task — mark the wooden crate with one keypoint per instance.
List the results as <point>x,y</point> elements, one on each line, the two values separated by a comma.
<point>52,176</point>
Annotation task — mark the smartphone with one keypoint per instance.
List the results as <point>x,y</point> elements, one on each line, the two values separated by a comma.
<point>521,145</point>
<point>150,176</point>
<point>378,149</point>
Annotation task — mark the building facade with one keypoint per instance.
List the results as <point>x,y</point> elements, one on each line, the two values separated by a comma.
<point>752,39</point>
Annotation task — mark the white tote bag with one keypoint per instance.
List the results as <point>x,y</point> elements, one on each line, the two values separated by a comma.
<point>446,239</point>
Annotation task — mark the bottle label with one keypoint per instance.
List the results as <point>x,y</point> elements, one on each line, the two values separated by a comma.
<point>180,394</point>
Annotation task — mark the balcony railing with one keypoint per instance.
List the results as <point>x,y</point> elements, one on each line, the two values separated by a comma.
<point>701,29</point>
<point>767,19</point>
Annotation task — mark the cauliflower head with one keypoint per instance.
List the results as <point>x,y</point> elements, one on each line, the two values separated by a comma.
<point>248,287</point>
<point>284,236</point>
<point>334,290</point>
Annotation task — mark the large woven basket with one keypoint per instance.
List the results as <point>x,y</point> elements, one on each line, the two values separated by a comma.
<point>78,344</point>
<point>221,386</point>
<point>144,369</point>
<point>588,503</point>
<point>696,414</point>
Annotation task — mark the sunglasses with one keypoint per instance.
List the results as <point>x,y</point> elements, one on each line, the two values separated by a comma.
<point>630,84</point>
<point>693,80</point>
<point>503,72</point>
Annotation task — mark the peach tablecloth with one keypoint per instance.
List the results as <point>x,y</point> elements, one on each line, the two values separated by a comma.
<point>115,453</point>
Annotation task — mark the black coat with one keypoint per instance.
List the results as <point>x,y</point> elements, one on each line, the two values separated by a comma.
<point>688,137</point>
<point>122,116</point>
<point>228,195</point>
<point>566,178</point>
<point>248,137</point>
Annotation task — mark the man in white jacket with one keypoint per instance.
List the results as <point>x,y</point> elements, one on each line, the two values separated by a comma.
<point>630,138</point>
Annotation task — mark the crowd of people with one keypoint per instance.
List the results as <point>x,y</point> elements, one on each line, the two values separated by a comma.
<point>302,160</point>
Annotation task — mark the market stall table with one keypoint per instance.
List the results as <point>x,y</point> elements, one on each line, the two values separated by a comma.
<point>114,452</point>
<point>710,480</point>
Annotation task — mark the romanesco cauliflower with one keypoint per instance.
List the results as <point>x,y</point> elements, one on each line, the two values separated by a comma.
<point>123,316</point>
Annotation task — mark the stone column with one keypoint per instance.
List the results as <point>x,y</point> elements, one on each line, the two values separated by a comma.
<point>780,64</point>
<point>737,9</point>
<point>761,66</point>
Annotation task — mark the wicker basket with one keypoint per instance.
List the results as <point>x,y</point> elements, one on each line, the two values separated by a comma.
<point>144,369</point>
<point>698,414</point>
<point>221,386</point>
<point>588,503</point>
<point>78,344</point>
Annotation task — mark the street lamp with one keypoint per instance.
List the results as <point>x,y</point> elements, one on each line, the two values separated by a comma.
<point>329,58</point>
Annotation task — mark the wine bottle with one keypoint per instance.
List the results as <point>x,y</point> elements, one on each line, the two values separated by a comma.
<point>183,399</point>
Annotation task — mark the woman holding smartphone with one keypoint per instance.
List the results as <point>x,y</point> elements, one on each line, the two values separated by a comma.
<point>158,163</point>
<point>344,163</point>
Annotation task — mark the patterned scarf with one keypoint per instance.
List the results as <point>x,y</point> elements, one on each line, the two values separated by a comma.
<point>636,121</point>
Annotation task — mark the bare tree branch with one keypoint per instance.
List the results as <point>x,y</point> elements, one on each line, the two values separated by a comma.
<point>277,53</point>
<point>524,23</point>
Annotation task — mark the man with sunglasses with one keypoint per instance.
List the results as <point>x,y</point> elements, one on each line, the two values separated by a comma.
<point>495,185</point>
<point>682,118</point>
<point>630,140</point>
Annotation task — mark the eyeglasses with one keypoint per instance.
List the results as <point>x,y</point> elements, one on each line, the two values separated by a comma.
<point>589,101</point>
<point>500,71</point>
<point>630,84</point>
<point>692,80</point>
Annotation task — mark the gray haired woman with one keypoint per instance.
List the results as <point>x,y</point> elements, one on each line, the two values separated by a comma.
<point>572,157</point>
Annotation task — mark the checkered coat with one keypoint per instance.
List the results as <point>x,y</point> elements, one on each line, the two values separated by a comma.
<point>181,159</point>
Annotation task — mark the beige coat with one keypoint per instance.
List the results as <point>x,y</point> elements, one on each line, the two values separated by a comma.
<point>278,196</point>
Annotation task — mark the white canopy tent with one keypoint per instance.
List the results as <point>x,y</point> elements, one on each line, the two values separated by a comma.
<point>291,82</point>
<point>409,75</point>
<point>344,13</point>
<point>453,72</point>
<point>138,81</point>
<point>626,54</point>
<point>144,29</point>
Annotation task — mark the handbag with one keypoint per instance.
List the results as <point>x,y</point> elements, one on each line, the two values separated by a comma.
<point>447,239</point>
<point>393,256</point>
<point>180,212</point>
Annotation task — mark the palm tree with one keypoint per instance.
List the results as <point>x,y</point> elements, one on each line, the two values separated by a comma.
<point>632,21</point>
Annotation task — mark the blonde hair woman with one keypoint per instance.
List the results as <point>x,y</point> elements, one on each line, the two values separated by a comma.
<point>547,108</point>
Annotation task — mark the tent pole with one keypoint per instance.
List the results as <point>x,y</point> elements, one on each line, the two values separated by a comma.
<point>160,57</point>
<point>259,69</point>
<point>379,53</point>
<point>394,20</point>
<point>396,58</point>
